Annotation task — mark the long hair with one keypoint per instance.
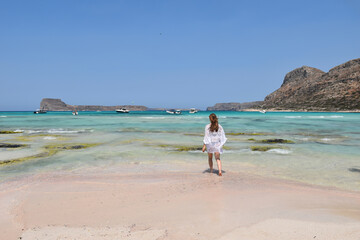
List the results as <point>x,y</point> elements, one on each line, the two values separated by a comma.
<point>214,123</point>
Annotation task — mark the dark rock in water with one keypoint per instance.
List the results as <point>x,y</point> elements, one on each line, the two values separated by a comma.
<point>11,145</point>
<point>310,89</point>
<point>68,146</point>
<point>275,140</point>
<point>262,148</point>
<point>77,147</point>
<point>8,132</point>
<point>354,170</point>
<point>52,104</point>
<point>241,133</point>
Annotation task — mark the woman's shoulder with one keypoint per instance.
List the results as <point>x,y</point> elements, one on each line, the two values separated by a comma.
<point>207,126</point>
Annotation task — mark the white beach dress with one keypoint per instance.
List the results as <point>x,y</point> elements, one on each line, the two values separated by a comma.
<point>214,141</point>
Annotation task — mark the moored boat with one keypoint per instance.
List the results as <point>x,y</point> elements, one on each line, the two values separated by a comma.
<point>122,110</point>
<point>193,110</point>
<point>40,111</point>
<point>173,111</point>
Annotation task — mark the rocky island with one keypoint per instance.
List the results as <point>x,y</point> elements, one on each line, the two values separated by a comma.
<point>310,89</point>
<point>53,104</point>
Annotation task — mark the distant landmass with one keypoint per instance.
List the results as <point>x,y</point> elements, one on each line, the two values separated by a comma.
<point>234,106</point>
<point>52,104</point>
<point>310,89</point>
<point>303,89</point>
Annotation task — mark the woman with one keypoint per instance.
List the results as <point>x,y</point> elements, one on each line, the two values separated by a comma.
<point>214,140</point>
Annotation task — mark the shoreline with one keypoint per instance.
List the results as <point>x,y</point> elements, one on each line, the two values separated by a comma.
<point>242,110</point>
<point>299,111</point>
<point>174,205</point>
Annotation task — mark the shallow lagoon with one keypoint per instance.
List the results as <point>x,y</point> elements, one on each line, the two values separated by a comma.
<point>326,145</point>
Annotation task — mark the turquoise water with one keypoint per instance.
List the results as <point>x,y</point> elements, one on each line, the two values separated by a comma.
<point>326,145</point>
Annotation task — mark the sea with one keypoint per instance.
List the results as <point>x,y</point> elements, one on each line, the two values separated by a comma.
<point>323,149</point>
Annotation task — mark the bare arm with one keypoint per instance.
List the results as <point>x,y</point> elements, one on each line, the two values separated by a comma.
<point>204,148</point>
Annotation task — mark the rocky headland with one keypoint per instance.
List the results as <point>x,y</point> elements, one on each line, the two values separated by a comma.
<point>310,89</point>
<point>52,104</point>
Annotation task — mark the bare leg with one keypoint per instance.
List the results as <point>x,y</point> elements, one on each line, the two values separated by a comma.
<point>210,155</point>
<point>217,157</point>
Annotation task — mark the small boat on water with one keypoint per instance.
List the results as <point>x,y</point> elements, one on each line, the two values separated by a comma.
<point>173,111</point>
<point>75,113</point>
<point>122,110</point>
<point>193,110</point>
<point>262,111</point>
<point>40,111</point>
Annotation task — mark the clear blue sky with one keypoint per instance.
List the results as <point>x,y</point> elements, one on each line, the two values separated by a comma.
<point>166,53</point>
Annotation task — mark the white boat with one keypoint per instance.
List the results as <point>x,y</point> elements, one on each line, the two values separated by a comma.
<point>38,111</point>
<point>122,110</point>
<point>173,111</point>
<point>193,110</point>
<point>75,113</point>
<point>262,111</point>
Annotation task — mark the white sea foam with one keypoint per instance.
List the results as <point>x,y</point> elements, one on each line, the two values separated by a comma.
<point>62,131</point>
<point>333,116</point>
<point>195,151</point>
<point>279,151</point>
<point>49,138</point>
<point>19,131</point>
<point>3,116</point>
<point>52,131</point>
<point>293,116</point>
<point>327,139</point>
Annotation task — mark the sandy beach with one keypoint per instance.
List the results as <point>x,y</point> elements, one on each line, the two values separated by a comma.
<point>174,205</point>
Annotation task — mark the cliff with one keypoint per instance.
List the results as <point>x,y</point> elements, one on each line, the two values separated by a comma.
<point>311,89</point>
<point>52,104</point>
<point>234,106</point>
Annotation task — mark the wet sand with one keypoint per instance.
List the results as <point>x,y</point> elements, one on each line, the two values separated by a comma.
<point>174,205</point>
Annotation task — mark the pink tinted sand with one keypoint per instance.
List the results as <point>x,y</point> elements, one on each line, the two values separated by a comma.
<point>175,206</point>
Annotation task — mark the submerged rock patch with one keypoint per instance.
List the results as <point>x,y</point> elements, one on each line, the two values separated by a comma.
<point>50,150</point>
<point>241,133</point>
<point>264,148</point>
<point>12,145</point>
<point>8,132</point>
<point>273,140</point>
<point>69,146</point>
<point>354,169</point>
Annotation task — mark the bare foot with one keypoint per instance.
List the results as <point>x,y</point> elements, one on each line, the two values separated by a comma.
<point>220,174</point>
